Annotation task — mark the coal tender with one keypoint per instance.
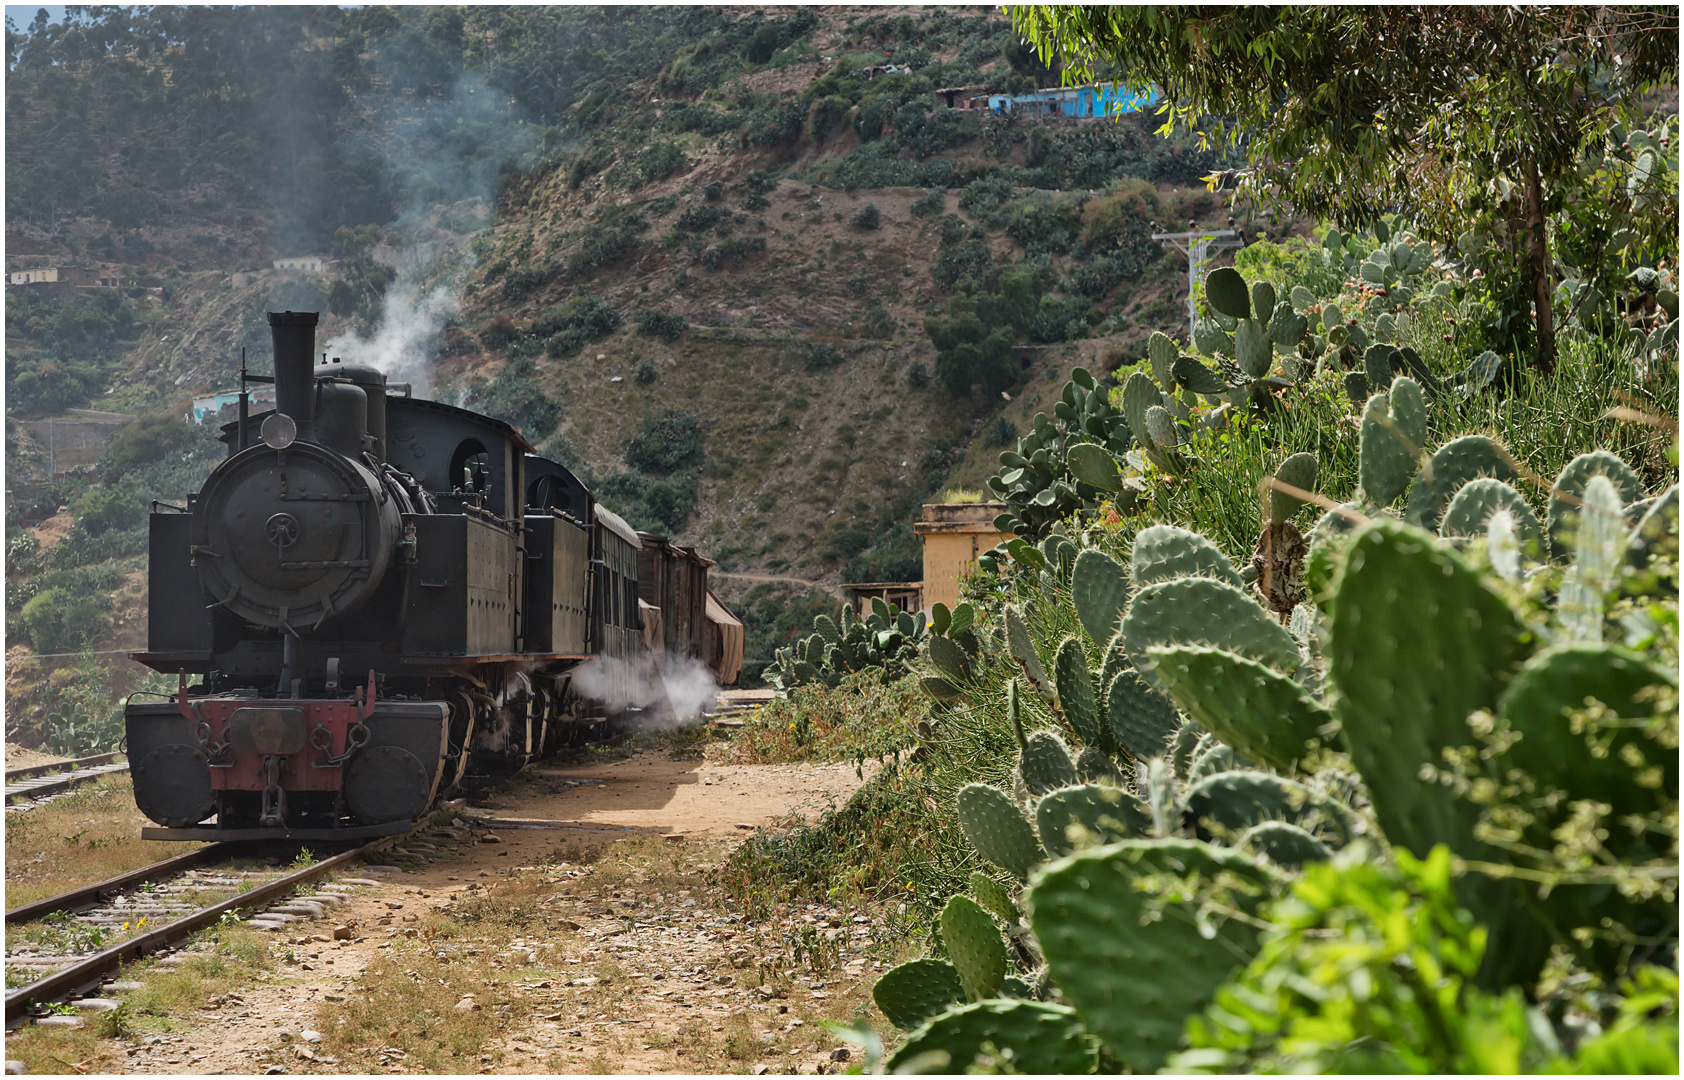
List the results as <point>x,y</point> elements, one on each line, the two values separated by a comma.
<point>373,601</point>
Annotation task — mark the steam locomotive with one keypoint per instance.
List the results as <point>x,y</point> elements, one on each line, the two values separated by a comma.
<point>382,600</point>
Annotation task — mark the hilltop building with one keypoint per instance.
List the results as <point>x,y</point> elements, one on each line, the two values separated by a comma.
<point>310,263</point>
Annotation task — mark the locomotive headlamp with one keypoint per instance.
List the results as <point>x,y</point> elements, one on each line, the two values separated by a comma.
<point>278,431</point>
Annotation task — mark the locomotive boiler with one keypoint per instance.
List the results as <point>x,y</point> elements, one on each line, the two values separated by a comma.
<point>373,601</point>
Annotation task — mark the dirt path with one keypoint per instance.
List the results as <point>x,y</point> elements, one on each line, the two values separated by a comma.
<point>781,579</point>
<point>18,757</point>
<point>596,941</point>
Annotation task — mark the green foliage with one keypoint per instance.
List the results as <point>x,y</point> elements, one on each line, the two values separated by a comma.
<point>514,397</point>
<point>146,441</point>
<point>59,620</point>
<point>661,324</point>
<point>107,507</point>
<point>974,339</point>
<point>671,440</point>
<point>868,218</point>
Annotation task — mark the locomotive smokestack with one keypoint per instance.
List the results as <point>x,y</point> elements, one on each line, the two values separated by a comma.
<point>294,336</point>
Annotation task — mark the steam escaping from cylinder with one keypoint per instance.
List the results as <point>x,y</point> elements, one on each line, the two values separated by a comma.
<point>670,693</point>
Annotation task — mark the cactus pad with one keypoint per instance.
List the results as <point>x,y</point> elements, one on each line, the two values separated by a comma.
<point>1139,394</point>
<point>1262,299</point>
<point>949,658</point>
<point>1656,532</point>
<point>1161,351</point>
<point>1041,1037</point>
<point>1160,428</point>
<point>1253,350</point>
<point>1394,428</point>
<point>1570,488</point>
<point>1469,513</point>
<point>994,825</point>
<point>913,992</point>
<point>1093,766</point>
<point>1162,552</point>
<point>1299,470</point>
<point>1123,944</point>
<point>1285,844</point>
<point>1232,802</point>
<point>1442,475</point>
<point>1210,757</point>
<point>1415,644</point>
<point>1142,719</point>
<point>1105,814</point>
<point>973,944</point>
<point>1099,587</point>
<point>1094,466</point>
<point>1199,611</point>
<point>1210,339</point>
<point>1589,764</point>
<point>993,897</point>
<point>1226,293</point>
<point>1262,714</point>
<point>1194,376</point>
<point>1023,651</point>
<point>1076,696</point>
<point>1045,763</point>
<point>1183,746</point>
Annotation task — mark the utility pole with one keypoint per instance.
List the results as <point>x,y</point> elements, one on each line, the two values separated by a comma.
<point>1200,248</point>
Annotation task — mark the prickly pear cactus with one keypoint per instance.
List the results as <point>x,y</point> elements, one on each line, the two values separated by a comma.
<point>1166,552</point>
<point>1102,814</point>
<point>1394,434</point>
<point>1076,696</point>
<point>1259,712</point>
<point>1452,465</point>
<point>1569,489</point>
<point>1126,944</point>
<point>1142,719</point>
<point>1043,1038</point>
<point>973,943</point>
<point>1205,612</point>
<point>915,991</point>
<point>994,825</point>
<point>1284,844</point>
<point>1099,588</point>
<point>1045,763</point>
<point>1469,513</point>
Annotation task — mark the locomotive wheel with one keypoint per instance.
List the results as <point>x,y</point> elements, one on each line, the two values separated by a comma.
<point>386,783</point>
<point>172,786</point>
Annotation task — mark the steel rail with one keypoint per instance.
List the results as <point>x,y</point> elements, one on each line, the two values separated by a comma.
<point>88,895</point>
<point>86,974</point>
<point>60,766</point>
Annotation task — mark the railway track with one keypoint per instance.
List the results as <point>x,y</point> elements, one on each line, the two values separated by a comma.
<point>162,900</point>
<point>39,782</point>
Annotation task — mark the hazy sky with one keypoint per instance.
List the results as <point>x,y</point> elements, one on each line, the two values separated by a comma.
<point>24,14</point>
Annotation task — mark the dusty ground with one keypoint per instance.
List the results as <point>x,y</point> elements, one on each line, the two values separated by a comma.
<point>568,925</point>
<point>19,758</point>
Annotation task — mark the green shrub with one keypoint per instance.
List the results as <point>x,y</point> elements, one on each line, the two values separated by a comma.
<point>671,440</point>
<point>660,161</point>
<point>58,620</point>
<point>868,218</point>
<point>918,376</point>
<point>820,355</point>
<point>149,439</point>
<point>645,373</point>
<point>515,398</point>
<point>107,507</point>
<point>660,324</point>
<point>826,115</point>
<point>930,204</point>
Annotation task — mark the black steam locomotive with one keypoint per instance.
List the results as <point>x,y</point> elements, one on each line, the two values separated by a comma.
<point>385,599</point>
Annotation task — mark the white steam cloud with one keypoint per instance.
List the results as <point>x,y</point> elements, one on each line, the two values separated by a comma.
<point>668,694</point>
<point>407,339</point>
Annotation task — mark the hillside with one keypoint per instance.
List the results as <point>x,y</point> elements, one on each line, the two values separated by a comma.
<point>704,256</point>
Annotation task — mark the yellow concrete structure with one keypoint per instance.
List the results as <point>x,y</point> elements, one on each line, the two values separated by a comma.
<point>954,534</point>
